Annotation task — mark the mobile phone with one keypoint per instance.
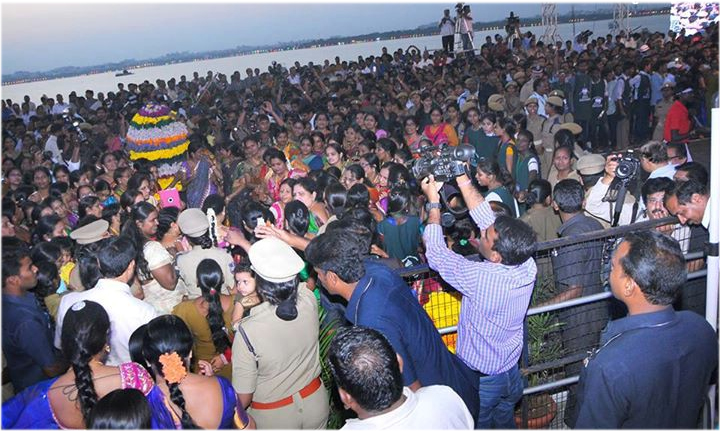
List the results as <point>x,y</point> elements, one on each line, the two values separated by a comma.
<point>260,221</point>
<point>170,198</point>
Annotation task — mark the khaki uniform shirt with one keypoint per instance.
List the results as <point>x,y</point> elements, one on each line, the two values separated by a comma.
<point>187,264</point>
<point>544,222</point>
<point>288,359</point>
<point>661,111</point>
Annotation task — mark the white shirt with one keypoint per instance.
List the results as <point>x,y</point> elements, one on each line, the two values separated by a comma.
<point>431,407</point>
<point>294,79</point>
<point>541,103</point>
<point>706,215</point>
<point>595,206</point>
<point>667,171</point>
<point>126,314</point>
<point>59,108</point>
<point>52,146</point>
<point>447,28</point>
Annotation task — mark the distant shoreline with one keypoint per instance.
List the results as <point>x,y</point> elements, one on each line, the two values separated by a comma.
<point>372,37</point>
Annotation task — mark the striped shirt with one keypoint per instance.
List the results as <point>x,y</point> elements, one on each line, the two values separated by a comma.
<point>495,299</point>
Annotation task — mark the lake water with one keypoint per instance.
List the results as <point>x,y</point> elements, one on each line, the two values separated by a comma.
<point>105,82</point>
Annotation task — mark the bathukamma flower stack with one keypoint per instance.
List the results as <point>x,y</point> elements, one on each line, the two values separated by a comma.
<point>155,136</point>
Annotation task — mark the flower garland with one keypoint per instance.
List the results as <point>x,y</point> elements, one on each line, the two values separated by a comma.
<point>158,135</point>
<point>161,154</point>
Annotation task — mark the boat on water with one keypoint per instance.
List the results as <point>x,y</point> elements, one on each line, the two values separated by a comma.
<point>123,73</point>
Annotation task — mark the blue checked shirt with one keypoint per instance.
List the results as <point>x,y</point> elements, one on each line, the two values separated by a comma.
<point>495,299</point>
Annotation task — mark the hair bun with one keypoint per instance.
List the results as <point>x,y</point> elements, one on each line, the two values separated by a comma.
<point>286,310</point>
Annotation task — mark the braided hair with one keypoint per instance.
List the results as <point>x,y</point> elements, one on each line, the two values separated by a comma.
<point>84,335</point>
<point>210,279</point>
<point>169,334</point>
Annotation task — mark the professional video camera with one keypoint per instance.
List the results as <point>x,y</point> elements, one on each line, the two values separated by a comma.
<point>462,9</point>
<point>444,163</point>
<point>584,35</point>
<point>512,24</point>
<point>74,124</point>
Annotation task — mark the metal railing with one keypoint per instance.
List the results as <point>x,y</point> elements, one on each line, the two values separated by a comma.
<point>551,364</point>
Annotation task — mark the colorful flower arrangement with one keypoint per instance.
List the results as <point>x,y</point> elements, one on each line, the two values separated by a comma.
<point>155,136</point>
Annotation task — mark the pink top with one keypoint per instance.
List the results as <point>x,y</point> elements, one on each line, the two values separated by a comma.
<point>134,376</point>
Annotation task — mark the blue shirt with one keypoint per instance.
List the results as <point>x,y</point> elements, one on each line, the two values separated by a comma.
<point>383,301</point>
<point>652,371</point>
<point>27,340</point>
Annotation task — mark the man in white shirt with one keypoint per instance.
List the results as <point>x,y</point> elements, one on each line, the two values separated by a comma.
<point>369,378</point>
<point>655,161</point>
<point>447,31</point>
<point>51,144</point>
<point>595,206</point>
<point>127,313</point>
<point>689,201</point>
<point>653,196</point>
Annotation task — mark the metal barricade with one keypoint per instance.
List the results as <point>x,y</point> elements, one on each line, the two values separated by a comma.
<point>571,304</point>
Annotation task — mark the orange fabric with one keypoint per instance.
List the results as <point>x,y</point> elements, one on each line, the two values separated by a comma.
<point>305,392</point>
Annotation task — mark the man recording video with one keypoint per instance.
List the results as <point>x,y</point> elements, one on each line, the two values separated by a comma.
<point>465,23</point>
<point>496,294</point>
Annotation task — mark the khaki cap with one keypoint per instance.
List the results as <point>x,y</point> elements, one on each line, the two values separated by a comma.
<point>90,233</point>
<point>555,101</point>
<point>496,102</point>
<point>590,164</point>
<point>193,222</point>
<point>274,260</point>
<point>558,93</point>
<point>467,105</point>
<point>574,128</point>
<point>531,100</point>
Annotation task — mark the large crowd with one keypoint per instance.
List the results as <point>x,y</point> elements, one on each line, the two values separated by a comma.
<point>208,299</point>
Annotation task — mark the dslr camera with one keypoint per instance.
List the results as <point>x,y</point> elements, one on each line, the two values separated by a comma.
<point>628,165</point>
<point>444,163</point>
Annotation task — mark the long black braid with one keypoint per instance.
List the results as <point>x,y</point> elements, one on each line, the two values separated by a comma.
<point>169,334</point>
<point>84,335</point>
<point>210,280</point>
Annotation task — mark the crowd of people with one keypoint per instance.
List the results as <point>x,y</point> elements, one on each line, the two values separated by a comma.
<point>297,202</point>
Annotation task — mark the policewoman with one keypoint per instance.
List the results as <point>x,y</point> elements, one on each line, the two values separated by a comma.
<point>275,354</point>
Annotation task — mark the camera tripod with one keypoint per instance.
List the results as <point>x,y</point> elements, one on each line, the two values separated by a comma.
<point>460,24</point>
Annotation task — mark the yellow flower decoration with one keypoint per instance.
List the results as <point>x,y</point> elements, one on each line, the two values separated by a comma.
<point>173,367</point>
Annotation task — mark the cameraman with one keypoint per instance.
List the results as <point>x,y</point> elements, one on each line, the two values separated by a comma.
<point>466,27</point>
<point>447,31</point>
<point>496,294</point>
<point>594,204</point>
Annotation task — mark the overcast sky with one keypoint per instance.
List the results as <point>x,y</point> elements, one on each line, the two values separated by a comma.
<point>39,37</point>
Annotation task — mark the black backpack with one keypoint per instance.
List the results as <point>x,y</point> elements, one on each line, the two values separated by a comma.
<point>644,87</point>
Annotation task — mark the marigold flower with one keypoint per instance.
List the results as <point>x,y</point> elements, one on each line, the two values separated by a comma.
<point>173,367</point>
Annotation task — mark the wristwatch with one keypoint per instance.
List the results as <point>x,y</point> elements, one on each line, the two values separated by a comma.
<point>432,205</point>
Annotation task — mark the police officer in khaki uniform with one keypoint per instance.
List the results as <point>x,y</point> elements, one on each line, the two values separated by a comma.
<point>553,108</point>
<point>534,122</point>
<point>661,110</point>
<point>567,116</point>
<point>195,226</point>
<point>276,354</point>
<point>91,233</point>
